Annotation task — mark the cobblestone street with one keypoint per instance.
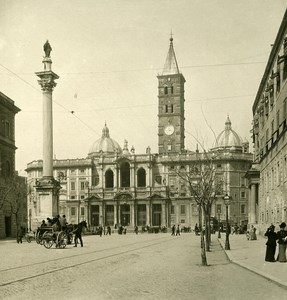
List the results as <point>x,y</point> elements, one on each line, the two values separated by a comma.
<point>144,266</point>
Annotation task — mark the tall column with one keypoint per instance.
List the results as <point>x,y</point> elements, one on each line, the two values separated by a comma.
<point>115,215</point>
<point>252,204</point>
<point>147,214</point>
<point>132,216</point>
<point>47,187</point>
<point>163,214</point>
<point>101,215</point>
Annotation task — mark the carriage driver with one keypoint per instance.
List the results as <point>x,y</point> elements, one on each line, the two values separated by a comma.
<point>63,222</point>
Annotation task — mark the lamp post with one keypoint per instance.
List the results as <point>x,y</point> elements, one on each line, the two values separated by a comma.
<point>227,199</point>
<point>219,235</point>
<point>87,183</point>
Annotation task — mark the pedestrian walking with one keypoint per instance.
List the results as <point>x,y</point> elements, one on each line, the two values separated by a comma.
<point>136,230</point>
<point>109,230</point>
<point>196,229</point>
<point>252,233</point>
<point>270,244</point>
<point>173,230</point>
<point>100,230</point>
<point>178,230</point>
<point>282,241</point>
<point>21,233</point>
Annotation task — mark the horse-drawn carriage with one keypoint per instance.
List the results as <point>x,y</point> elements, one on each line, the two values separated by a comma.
<point>49,235</point>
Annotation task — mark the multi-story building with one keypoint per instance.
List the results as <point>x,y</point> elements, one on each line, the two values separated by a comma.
<point>269,137</point>
<point>114,185</point>
<point>11,207</point>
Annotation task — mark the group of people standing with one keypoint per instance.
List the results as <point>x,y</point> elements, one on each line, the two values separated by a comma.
<point>273,238</point>
<point>175,230</point>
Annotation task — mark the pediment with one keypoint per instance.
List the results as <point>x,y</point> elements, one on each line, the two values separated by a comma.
<point>123,196</point>
<point>94,197</point>
<point>155,196</point>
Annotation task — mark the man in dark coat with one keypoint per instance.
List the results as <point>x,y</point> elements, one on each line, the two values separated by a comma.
<point>271,244</point>
<point>173,230</point>
<point>78,235</point>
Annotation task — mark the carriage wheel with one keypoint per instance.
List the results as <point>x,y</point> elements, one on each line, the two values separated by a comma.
<point>70,238</point>
<point>38,237</point>
<point>48,243</point>
<point>29,239</point>
<point>43,237</point>
<point>62,240</point>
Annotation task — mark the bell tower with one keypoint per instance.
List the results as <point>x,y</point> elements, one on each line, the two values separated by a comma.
<point>170,106</point>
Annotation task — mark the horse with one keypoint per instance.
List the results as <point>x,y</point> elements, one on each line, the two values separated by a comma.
<point>78,232</point>
<point>75,228</point>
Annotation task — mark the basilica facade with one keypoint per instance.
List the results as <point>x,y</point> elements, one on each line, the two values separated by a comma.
<point>113,185</point>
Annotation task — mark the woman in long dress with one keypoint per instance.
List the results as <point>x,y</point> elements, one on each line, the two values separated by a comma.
<point>281,236</point>
<point>271,244</point>
<point>252,233</point>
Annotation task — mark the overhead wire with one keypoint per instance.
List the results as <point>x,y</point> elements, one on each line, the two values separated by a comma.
<point>133,70</point>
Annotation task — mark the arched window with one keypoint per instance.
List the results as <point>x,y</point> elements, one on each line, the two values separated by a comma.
<point>171,89</point>
<point>166,108</point>
<point>165,90</point>
<point>109,177</point>
<point>125,174</point>
<point>171,108</point>
<point>141,177</point>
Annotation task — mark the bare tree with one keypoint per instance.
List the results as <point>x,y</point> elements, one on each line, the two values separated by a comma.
<point>13,195</point>
<point>204,187</point>
<point>5,190</point>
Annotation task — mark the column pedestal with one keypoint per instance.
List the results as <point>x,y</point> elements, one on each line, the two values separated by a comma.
<point>48,200</point>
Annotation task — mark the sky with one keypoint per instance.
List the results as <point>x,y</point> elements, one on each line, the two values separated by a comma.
<point>108,55</point>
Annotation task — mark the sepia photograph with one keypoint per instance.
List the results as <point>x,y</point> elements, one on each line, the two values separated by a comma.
<point>151,135</point>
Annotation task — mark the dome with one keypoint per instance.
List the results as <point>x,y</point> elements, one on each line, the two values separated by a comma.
<point>105,144</point>
<point>228,138</point>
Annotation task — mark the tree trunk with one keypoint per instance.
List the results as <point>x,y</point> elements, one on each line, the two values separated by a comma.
<point>203,252</point>
<point>207,228</point>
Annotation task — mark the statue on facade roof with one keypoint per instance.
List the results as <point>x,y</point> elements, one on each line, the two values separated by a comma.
<point>47,49</point>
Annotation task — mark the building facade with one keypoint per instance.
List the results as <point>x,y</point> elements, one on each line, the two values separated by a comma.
<point>11,206</point>
<point>269,137</point>
<point>114,185</point>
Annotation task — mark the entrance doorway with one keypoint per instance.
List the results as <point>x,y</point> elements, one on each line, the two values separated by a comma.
<point>141,208</point>
<point>125,214</point>
<point>109,215</point>
<point>156,215</point>
<point>8,226</point>
<point>95,212</point>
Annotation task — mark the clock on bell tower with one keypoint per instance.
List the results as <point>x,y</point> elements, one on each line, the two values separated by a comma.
<point>170,106</point>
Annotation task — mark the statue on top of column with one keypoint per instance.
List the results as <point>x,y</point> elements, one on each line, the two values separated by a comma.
<point>47,49</point>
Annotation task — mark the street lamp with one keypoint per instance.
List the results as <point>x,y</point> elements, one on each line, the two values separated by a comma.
<point>219,235</point>
<point>227,199</point>
<point>87,184</point>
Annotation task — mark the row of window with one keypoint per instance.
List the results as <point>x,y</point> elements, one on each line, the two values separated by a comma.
<point>182,209</point>
<point>274,175</point>
<point>168,90</point>
<point>82,185</point>
<point>74,211</point>
<point>220,210</point>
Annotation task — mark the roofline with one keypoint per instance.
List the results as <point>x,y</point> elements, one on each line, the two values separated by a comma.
<point>271,58</point>
<point>11,103</point>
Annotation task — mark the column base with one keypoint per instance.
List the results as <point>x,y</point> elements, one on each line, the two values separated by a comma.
<point>47,189</point>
